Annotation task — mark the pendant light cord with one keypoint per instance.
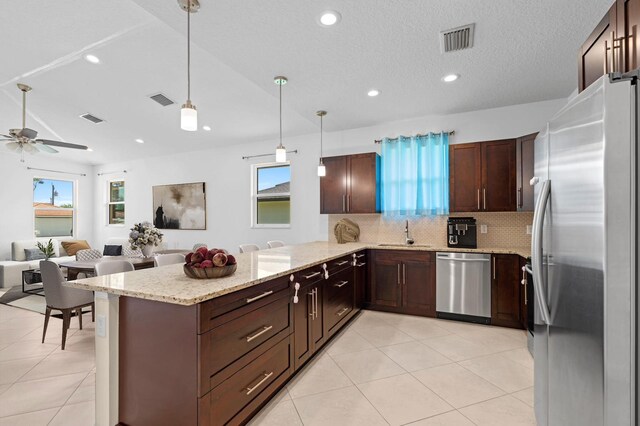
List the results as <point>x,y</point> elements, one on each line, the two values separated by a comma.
<point>280,84</point>
<point>321,117</point>
<point>24,109</point>
<point>189,50</point>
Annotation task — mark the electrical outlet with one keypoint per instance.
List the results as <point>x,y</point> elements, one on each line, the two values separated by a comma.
<point>529,230</point>
<point>483,229</point>
<point>101,326</point>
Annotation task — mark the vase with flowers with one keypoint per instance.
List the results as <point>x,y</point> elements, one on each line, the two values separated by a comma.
<point>144,236</point>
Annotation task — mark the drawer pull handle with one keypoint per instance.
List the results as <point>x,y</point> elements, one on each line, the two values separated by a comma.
<point>343,311</point>
<point>358,256</point>
<point>341,284</point>
<point>265,294</point>
<point>259,333</point>
<point>361,264</point>
<point>315,274</point>
<point>342,263</point>
<point>264,379</point>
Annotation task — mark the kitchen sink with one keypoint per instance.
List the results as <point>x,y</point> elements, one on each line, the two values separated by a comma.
<point>403,245</point>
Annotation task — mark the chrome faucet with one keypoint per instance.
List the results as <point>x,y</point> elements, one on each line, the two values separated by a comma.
<point>407,240</point>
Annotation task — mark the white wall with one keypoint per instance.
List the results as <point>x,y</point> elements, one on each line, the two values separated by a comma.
<point>16,196</point>
<point>227,175</point>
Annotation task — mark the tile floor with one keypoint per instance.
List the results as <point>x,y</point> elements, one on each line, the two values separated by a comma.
<point>382,369</point>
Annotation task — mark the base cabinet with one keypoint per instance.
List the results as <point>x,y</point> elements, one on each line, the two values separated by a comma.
<point>506,291</point>
<point>403,281</point>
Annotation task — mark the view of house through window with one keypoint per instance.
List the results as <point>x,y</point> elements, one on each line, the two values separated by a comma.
<point>272,198</point>
<point>53,207</point>
<point>116,202</point>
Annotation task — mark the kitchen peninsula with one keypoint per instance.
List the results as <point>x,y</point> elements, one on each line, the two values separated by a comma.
<point>173,350</point>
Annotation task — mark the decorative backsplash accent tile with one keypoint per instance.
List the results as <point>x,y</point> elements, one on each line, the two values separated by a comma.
<point>504,229</point>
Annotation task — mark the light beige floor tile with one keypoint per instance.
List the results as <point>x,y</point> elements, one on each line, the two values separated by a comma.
<point>403,399</point>
<point>4,388</point>
<point>525,395</point>
<point>12,335</point>
<point>368,365</point>
<point>382,335</point>
<point>84,393</point>
<point>452,418</point>
<point>282,395</point>
<point>521,356</point>
<point>322,375</point>
<point>279,414</point>
<point>503,411</point>
<point>349,341</point>
<point>502,372</point>
<point>35,418</point>
<point>58,364</point>
<point>457,348</point>
<point>12,370</point>
<point>417,327</point>
<point>345,406</point>
<point>42,394</point>
<point>460,326</point>
<point>457,385</point>
<point>81,414</point>
<point>26,349</point>
<point>497,340</point>
<point>24,323</point>
<point>414,356</point>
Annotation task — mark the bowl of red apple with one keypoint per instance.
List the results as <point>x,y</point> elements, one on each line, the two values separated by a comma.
<point>209,263</point>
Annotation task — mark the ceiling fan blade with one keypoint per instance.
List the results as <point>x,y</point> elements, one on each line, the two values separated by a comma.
<point>46,148</point>
<point>13,146</point>
<point>28,133</point>
<point>62,144</point>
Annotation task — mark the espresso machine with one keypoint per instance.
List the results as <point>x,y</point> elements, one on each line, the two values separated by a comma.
<point>461,232</point>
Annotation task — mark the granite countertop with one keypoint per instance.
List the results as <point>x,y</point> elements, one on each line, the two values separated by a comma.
<point>170,284</point>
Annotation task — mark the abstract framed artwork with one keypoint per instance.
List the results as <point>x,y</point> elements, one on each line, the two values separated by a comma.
<point>180,206</point>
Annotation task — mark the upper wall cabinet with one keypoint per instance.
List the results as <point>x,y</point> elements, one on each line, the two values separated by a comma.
<point>482,176</point>
<point>524,171</point>
<point>351,184</point>
<point>613,45</point>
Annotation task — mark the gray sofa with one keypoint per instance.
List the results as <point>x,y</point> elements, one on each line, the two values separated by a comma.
<point>11,270</point>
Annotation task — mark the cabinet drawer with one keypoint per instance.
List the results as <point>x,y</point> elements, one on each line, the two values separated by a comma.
<point>227,343</point>
<point>336,265</point>
<point>340,298</point>
<point>218,311</point>
<point>243,393</point>
<point>310,275</point>
<point>340,284</point>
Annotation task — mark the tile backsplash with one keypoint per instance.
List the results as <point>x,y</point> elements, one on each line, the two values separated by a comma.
<point>504,229</point>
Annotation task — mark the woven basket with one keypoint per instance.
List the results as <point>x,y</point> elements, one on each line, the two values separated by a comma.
<point>204,273</point>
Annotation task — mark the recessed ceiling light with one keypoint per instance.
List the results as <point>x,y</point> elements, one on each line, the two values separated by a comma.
<point>92,58</point>
<point>449,78</point>
<point>373,92</point>
<point>207,128</point>
<point>139,141</point>
<point>329,18</point>
<point>89,149</point>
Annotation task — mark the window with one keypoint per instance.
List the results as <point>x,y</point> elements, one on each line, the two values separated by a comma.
<point>53,207</point>
<point>116,202</point>
<point>271,198</point>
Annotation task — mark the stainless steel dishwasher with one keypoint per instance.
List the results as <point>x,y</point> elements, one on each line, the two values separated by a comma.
<point>463,286</point>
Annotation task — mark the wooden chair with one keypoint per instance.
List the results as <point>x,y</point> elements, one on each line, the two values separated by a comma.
<point>109,267</point>
<point>64,299</point>
<point>168,259</point>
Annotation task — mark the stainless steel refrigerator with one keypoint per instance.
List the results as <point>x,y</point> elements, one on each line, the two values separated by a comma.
<point>584,259</point>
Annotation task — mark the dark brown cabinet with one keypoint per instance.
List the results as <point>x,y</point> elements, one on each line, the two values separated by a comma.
<point>351,184</point>
<point>362,296</point>
<point>613,45</point>
<point>482,176</point>
<point>506,291</point>
<point>403,281</point>
<point>524,172</point>
<point>308,315</point>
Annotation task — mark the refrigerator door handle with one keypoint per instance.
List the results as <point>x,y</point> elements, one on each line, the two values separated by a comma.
<point>536,249</point>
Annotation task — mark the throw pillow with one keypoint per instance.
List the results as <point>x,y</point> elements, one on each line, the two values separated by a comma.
<point>112,250</point>
<point>33,254</point>
<point>72,247</point>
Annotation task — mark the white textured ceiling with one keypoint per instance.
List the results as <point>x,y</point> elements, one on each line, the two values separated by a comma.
<point>524,51</point>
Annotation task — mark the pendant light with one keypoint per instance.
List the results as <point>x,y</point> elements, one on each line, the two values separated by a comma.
<point>188,113</point>
<point>322,170</point>
<point>281,151</point>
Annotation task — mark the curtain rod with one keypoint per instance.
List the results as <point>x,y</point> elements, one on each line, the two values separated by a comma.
<point>110,173</point>
<point>450,133</point>
<point>57,171</point>
<point>246,157</point>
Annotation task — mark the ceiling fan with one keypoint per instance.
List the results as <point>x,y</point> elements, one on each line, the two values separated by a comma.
<point>24,139</point>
